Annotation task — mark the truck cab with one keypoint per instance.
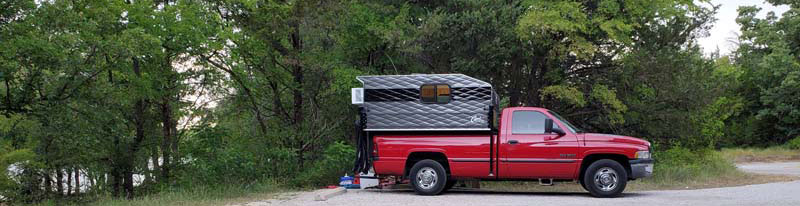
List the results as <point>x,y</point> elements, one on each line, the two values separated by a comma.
<point>525,144</point>
<point>536,143</point>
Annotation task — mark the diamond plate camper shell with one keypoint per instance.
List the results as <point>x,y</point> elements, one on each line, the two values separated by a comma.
<point>393,103</point>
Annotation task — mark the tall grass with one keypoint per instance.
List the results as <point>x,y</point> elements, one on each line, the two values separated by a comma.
<point>680,166</point>
<point>195,196</point>
<point>769,154</point>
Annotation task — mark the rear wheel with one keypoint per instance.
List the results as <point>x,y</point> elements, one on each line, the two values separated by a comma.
<point>605,178</point>
<point>428,177</point>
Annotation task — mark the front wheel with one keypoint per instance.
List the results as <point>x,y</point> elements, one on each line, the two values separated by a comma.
<point>605,178</point>
<point>428,177</point>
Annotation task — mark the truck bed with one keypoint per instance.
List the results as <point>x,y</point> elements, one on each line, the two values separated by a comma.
<point>468,152</point>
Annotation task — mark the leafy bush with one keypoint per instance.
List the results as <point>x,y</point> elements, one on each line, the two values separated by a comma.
<point>336,161</point>
<point>11,189</point>
<point>215,157</point>
<point>794,143</point>
<point>219,156</point>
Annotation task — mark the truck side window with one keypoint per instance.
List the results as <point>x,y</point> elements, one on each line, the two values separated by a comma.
<point>528,122</point>
<point>435,93</point>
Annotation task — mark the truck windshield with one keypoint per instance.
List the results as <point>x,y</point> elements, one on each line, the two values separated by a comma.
<point>569,125</point>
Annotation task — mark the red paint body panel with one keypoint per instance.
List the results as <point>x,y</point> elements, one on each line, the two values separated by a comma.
<point>533,156</point>
<point>471,152</point>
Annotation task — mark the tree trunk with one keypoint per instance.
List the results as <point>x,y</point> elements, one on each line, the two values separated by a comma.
<point>166,120</point>
<point>47,184</point>
<point>69,181</point>
<point>116,182</point>
<point>156,168</point>
<point>128,175</point>
<point>77,181</point>
<point>8,93</point>
<point>59,182</point>
<point>514,90</point>
<point>116,167</point>
<point>175,138</point>
<point>299,78</point>
<point>139,121</point>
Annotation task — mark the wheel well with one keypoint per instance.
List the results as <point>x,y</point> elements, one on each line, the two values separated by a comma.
<point>415,157</point>
<point>588,160</point>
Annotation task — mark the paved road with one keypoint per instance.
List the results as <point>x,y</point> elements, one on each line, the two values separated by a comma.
<point>782,193</point>
<point>776,168</point>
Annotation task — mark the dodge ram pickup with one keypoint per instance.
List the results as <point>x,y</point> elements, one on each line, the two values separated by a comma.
<point>522,144</point>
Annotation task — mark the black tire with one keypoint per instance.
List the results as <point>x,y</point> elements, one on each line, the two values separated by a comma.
<point>450,184</point>
<point>432,170</point>
<point>583,184</point>
<point>608,172</point>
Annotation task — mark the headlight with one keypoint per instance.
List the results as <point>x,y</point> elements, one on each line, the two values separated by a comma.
<point>643,155</point>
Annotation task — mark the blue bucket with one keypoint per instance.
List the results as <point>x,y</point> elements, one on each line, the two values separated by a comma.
<point>346,181</point>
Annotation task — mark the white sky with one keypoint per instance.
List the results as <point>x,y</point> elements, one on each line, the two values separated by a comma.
<point>726,29</point>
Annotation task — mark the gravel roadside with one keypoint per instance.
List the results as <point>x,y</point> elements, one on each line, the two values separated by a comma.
<point>781,193</point>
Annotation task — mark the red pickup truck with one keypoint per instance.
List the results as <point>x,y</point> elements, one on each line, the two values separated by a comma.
<point>528,143</point>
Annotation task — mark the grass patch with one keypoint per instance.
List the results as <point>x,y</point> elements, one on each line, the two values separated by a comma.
<point>731,179</point>
<point>642,184</point>
<point>675,169</point>
<point>680,168</point>
<point>770,154</point>
<point>195,196</point>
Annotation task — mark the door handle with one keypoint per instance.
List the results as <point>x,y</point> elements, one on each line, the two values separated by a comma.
<point>548,138</point>
<point>513,141</point>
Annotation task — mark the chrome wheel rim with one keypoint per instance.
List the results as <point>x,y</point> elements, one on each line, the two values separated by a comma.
<point>606,179</point>
<point>426,178</point>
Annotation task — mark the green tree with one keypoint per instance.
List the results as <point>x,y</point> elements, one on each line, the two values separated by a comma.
<point>588,60</point>
<point>767,54</point>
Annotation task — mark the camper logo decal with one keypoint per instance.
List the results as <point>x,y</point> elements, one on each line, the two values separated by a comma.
<point>478,119</point>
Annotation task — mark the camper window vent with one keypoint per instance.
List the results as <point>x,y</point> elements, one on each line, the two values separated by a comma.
<point>435,93</point>
<point>357,95</point>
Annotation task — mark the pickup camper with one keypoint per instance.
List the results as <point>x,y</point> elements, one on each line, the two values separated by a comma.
<point>434,129</point>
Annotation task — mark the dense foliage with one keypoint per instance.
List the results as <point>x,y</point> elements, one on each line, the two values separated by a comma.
<point>123,98</point>
<point>766,72</point>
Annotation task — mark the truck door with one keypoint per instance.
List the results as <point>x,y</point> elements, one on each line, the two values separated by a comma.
<point>526,151</point>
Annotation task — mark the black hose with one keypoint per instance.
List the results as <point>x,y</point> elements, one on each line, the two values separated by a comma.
<point>357,162</point>
<point>363,149</point>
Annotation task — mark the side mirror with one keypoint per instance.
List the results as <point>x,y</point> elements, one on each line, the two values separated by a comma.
<point>548,127</point>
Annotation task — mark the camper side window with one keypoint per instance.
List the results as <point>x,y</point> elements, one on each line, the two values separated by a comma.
<point>435,93</point>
